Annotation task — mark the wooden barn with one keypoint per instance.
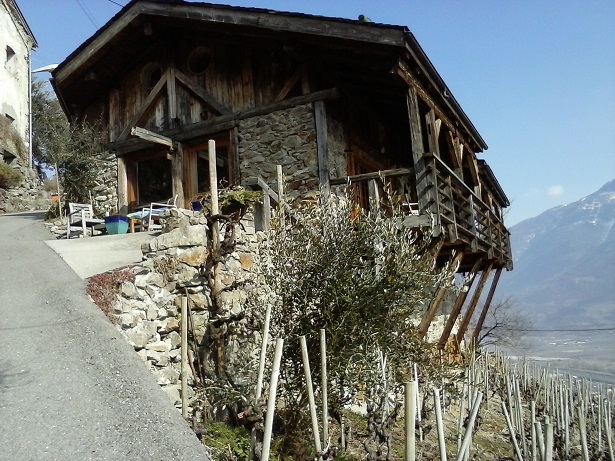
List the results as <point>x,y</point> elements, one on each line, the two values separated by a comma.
<point>331,100</point>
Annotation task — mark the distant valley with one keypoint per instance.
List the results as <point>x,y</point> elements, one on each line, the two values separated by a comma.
<point>564,279</point>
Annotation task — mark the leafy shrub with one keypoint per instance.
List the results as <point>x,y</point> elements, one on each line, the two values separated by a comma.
<point>103,288</point>
<point>9,177</point>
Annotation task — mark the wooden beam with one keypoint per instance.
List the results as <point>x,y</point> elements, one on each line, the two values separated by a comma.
<point>372,175</point>
<point>402,71</point>
<point>144,107</point>
<point>290,84</point>
<point>122,187</point>
<point>259,183</point>
<point>264,19</point>
<point>433,128</point>
<point>483,314</point>
<point>171,97</point>
<point>473,302</point>
<point>207,98</point>
<point>177,176</point>
<point>96,45</point>
<point>452,318</point>
<point>225,122</point>
<point>114,114</point>
<point>320,120</point>
<point>150,136</point>
<point>434,306</point>
<point>233,157</point>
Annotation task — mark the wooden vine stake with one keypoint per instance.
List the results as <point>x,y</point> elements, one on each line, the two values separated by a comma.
<point>215,210</point>
<point>409,416</point>
<point>273,388</point>
<point>325,403</point>
<point>184,355</point>
<point>310,390</point>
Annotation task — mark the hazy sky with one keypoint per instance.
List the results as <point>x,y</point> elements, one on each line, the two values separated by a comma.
<point>537,78</point>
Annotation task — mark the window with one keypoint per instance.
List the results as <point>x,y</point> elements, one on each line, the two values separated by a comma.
<point>150,76</point>
<point>199,60</point>
<point>10,58</point>
<point>154,180</point>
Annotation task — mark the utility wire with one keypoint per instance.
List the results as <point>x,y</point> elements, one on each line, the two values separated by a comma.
<point>87,12</point>
<point>572,329</point>
<point>116,3</point>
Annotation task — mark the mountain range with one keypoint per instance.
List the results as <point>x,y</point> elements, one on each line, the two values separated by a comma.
<point>564,264</point>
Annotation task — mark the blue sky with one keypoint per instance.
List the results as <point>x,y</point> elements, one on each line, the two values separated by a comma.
<point>537,78</point>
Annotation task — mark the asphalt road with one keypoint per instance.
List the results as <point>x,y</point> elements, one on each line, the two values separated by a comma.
<point>71,388</point>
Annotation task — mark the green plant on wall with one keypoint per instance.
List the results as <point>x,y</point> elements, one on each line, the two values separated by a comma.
<point>9,177</point>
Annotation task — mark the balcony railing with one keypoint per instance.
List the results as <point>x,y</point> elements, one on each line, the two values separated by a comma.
<point>460,217</point>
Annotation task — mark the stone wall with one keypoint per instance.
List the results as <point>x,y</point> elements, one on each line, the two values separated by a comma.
<point>104,194</point>
<point>287,138</point>
<point>176,265</point>
<point>27,196</point>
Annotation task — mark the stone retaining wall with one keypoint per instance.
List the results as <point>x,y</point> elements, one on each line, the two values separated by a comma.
<point>175,265</point>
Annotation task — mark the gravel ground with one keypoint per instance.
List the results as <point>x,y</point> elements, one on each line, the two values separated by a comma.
<point>71,388</point>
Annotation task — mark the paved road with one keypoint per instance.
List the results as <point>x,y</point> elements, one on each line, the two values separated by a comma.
<point>71,388</point>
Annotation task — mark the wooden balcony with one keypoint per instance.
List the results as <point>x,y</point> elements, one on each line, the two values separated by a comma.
<point>461,220</point>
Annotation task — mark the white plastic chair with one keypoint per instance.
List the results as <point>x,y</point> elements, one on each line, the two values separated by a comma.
<point>155,208</point>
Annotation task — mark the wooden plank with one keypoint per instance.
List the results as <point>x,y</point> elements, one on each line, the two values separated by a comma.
<point>434,306</point>
<point>372,175</point>
<point>290,84</point>
<point>485,310</point>
<point>320,120</point>
<point>114,114</point>
<point>207,98</point>
<point>144,107</point>
<point>473,302</point>
<point>452,318</point>
<point>233,157</point>
<point>150,136</point>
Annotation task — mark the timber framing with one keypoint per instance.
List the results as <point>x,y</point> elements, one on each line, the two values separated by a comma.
<point>342,104</point>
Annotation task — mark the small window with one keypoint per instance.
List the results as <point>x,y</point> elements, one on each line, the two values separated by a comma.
<point>199,60</point>
<point>10,53</point>
<point>150,76</point>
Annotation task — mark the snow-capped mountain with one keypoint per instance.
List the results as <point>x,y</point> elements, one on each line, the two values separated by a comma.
<point>564,263</point>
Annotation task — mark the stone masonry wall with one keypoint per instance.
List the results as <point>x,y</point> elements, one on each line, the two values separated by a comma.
<point>147,310</point>
<point>27,196</point>
<point>104,194</point>
<point>287,138</point>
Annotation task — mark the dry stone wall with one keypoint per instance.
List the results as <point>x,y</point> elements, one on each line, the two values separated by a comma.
<point>27,196</point>
<point>287,138</point>
<point>175,264</point>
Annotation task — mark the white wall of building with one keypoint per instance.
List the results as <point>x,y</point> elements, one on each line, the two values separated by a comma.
<point>16,43</point>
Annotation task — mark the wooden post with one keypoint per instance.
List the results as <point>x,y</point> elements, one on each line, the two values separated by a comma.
<point>273,388</point>
<point>452,318</point>
<point>320,119</point>
<point>184,355</point>
<point>177,172</point>
<point>436,301</point>
<point>483,314</point>
<point>310,391</point>
<point>473,302</point>
<point>281,210</point>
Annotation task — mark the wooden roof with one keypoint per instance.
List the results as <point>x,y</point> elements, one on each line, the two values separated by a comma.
<point>366,56</point>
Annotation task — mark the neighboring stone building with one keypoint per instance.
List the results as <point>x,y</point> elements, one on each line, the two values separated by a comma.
<point>16,45</point>
<point>333,101</point>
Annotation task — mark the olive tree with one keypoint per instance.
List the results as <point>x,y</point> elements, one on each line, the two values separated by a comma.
<point>364,278</point>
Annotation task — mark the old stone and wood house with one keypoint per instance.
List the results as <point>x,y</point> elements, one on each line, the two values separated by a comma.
<point>333,101</point>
